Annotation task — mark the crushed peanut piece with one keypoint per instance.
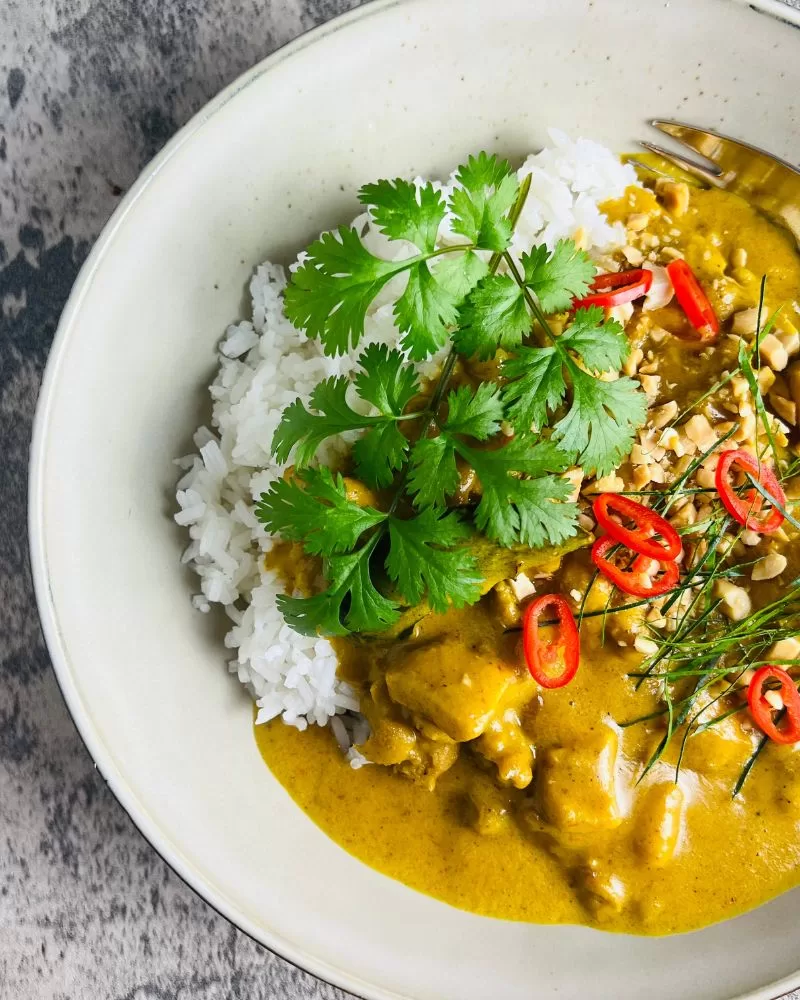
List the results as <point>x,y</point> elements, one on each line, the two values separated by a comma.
<point>700,431</point>
<point>674,195</point>
<point>648,647</point>
<point>766,379</point>
<point>651,385</point>
<point>633,360</point>
<point>637,222</point>
<point>662,415</point>
<point>736,603</point>
<point>785,408</point>
<point>785,649</point>
<point>773,353</point>
<point>772,565</point>
<point>612,483</point>
<point>790,340</point>
<point>633,256</point>
<point>745,322</point>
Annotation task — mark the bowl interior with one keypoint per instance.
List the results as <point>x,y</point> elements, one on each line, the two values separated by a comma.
<point>394,89</point>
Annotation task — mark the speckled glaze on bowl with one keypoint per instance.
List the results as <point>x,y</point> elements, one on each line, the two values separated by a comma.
<point>392,89</point>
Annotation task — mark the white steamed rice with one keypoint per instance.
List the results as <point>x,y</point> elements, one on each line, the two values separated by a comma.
<point>265,363</point>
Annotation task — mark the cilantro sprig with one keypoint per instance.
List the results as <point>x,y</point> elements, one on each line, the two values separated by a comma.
<point>425,555</point>
<point>494,450</point>
<point>330,293</point>
<point>602,415</point>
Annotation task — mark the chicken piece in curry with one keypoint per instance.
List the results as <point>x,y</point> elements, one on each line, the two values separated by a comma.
<point>637,796</point>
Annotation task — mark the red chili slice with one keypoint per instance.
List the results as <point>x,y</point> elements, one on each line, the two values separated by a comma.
<point>761,710</point>
<point>693,300</point>
<point>647,524</point>
<point>634,580</point>
<point>745,507</point>
<point>552,664</point>
<point>614,289</point>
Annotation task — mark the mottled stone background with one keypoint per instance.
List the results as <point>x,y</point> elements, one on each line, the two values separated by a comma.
<point>89,91</point>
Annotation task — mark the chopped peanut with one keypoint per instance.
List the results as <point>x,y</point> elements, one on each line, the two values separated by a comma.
<point>793,378</point>
<point>746,429</point>
<point>699,430</point>
<point>766,379</point>
<point>671,440</point>
<point>772,565</point>
<point>522,586</point>
<point>648,647</point>
<point>736,603</point>
<point>633,361</point>
<point>705,476</point>
<point>633,256</point>
<point>773,352</point>
<point>662,415</point>
<point>745,322</point>
<point>785,649</point>
<point>641,476</point>
<point>574,477</point>
<point>685,516</point>
<point>651,385</point>
<point>785,408</point>
<point>674,195</point>
<point>637,222</point>
<point>611,483</point>
<point>688,446</point>
<point>621,313</point>
<point>790,340</point>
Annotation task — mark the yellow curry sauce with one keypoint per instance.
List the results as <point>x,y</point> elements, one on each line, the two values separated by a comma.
<point>567,834</point>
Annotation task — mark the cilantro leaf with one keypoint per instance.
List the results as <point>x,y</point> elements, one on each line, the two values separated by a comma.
<point>598,428</point>
<point>536,384</point>
<point>494,315</point>
<point>424,312</point>
<point>305,430</point>
<point>329,294</point>
<point>558,277</point>
<point>389,384</point>
<point>475,412</point>
<point>526,510</point>
<point>404,212</point>
<point>422,560</point>
<point>601,344</point>
<point>601,422</point>
<point>434,474</point>
<point>316,512</point>
<point>386,380</point>
<point>380,453</point>
<point>351,603</point>
<point>480,204</point>
<point>459,273</point>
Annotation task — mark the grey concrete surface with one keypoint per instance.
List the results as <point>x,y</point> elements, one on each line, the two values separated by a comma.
<point>89,91</point>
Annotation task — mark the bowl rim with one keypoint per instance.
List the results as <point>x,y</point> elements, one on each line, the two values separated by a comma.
<point>269,938</point>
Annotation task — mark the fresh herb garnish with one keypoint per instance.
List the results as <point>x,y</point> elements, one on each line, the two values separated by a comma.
<point>417,441</point>
<point>700,660</point>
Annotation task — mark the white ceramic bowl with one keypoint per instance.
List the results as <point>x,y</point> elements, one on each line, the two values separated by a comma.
<point>391,89</point>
